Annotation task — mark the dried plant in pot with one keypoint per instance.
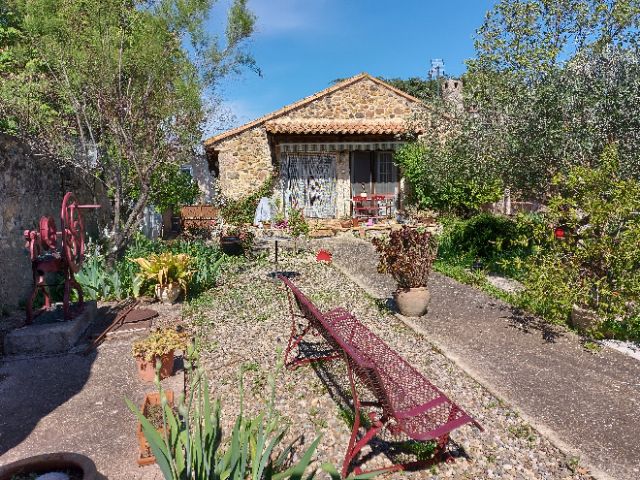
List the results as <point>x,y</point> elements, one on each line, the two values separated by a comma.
<point>408,255</point>
<point>159,345</point>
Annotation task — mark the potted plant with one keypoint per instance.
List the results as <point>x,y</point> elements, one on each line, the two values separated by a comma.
<point>236,240</point>
<point>408,254</point>
<point>73,465</point>
<point>168,271</point>
<point>159,345</point>
<point>152,409</point>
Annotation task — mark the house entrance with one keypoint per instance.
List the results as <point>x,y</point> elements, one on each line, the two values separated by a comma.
<point>373,173</point>
<point>309,182</point>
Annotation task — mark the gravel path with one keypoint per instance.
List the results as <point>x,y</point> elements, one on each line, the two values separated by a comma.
<point>245,323</point>
<point>586,402</point>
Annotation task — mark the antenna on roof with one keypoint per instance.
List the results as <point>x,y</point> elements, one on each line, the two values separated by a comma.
<point>437,69</point>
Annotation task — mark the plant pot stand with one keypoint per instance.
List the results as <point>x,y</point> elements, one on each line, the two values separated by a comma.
<point>145,457</point>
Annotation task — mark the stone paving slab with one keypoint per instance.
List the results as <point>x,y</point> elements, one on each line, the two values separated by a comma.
<point>76,403</point>
<point>53,336</point>
<point>585,402</point>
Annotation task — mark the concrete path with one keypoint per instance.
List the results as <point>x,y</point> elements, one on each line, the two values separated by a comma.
<point>76,403</point>
<point>587,403</point>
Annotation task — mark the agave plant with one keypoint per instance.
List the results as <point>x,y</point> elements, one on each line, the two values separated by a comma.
<point>164,269</point>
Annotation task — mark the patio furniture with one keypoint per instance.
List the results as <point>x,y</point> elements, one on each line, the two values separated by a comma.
<point>373,206</point>
<point>406,402</point>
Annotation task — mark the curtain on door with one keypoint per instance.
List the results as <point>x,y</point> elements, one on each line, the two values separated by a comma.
<point>309,182</point>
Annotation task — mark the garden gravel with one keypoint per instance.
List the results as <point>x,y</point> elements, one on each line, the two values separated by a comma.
<point>245,323</point>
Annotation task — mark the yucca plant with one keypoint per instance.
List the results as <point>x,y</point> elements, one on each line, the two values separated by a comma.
<point>165,269</point>
<point>192,445</point>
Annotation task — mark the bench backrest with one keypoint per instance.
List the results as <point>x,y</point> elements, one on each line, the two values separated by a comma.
<point>325,328</point>
<point>341,340</point>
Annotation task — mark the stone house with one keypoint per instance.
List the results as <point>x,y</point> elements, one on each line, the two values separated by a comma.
<point>324,150</point>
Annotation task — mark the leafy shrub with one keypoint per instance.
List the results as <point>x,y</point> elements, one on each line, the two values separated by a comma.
<point>206,261</point>
<point>103,282</point>
<point>499,242</point>
<point>296,223</point>
<point>439,180</point>
<point>600,253</point>
<point>408,255</point>
<point>242,211</point>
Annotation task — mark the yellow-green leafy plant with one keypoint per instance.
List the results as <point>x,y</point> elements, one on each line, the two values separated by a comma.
<point>159,343</point>
<point>164,269</point>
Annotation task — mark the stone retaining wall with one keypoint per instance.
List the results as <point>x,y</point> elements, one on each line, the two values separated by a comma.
<point>29,188</point>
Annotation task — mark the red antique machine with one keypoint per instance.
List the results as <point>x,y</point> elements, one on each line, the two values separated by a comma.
<point>46,257</point>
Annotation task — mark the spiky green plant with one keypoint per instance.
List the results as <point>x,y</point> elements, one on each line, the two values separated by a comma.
<point>191,446</point>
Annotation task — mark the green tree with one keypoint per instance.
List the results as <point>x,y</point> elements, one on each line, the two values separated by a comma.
<point>115,88</point>
<point>554,82</point>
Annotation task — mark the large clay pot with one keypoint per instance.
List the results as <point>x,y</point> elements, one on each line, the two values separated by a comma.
<point>412,302</point>
<point>147,369</point>
<point>51,462</point>
<point>231,245</point>
<point>168,293</point>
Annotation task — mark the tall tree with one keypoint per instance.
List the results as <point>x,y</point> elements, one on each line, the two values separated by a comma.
<point>554,82</point>
<point>116,88</point>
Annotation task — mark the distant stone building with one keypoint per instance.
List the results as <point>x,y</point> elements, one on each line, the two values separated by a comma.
<point>323,149</point>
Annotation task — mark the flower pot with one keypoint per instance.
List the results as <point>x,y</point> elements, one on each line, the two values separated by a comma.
<point>147,369</point>
<point>146,457</point>
<point>583,319</point>
<point>168,293</point>
<point>51,462</point>
<point>412,302</point>
<point>346,223</point>
<point>231,245</point>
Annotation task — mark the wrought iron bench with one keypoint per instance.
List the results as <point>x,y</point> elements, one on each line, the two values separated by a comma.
<point>406,402</point>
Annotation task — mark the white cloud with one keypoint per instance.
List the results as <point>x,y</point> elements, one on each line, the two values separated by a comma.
<point>275,17</point>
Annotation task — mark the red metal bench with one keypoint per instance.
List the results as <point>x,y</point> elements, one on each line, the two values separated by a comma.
<point>407,403</point>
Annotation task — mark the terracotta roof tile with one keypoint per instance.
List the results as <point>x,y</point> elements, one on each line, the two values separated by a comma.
<point>329,126</point>
<point>284,110</point>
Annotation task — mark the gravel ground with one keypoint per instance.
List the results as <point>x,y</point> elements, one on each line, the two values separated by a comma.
<point>245,322</point>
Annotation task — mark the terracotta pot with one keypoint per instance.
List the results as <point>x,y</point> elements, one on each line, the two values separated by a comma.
<point>146,457</point>
<point>231,245</point>
<point>51,462</point>
<point>168,293</point>
<point>412,302</point>
<point>147,370</point>
<point>346,224</point>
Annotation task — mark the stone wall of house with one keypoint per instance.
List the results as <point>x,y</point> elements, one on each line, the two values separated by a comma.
<point>30,187</point>
<point>245,162</point>
<point>365,99</point>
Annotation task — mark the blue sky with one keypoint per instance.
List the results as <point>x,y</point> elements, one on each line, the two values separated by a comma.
<point>302,45</point>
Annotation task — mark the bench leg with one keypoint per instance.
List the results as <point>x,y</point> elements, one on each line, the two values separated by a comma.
<point>294,340</point>
<point>355,445</point>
